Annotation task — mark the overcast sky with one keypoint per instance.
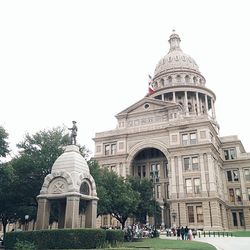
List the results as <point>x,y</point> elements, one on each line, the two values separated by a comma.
<point>88,60</point>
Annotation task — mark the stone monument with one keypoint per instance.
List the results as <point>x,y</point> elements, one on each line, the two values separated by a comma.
<point>69,183</point>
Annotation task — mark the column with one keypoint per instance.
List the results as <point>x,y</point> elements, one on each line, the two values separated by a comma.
<point>174,98</point>
<point>186,103</point>
<point>162,217</point>
<point>43,213</point>
<point>162,97</point>
<point>173,193</point>
<point>243,187</point>
<point>212,184</point>
<point>213,109</point>
<point>72,212</point>
<point>206,103</point>
<point>203,177</point>
<point>90,215</point>
<point>198,103</point>
<point>181,184</point>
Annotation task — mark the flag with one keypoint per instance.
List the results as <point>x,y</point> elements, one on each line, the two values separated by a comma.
<point>150,85</point>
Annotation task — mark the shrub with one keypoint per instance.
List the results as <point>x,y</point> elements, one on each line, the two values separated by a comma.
<point>24,245</point>
<point>65,238</point>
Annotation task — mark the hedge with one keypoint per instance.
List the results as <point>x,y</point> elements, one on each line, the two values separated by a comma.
<point>65,238</point>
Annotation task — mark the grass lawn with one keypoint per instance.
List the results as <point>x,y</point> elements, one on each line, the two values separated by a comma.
<point>156,243</point>
<point>241,233</point>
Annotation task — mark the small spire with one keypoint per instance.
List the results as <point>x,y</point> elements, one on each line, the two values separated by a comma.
<point>174,41</point>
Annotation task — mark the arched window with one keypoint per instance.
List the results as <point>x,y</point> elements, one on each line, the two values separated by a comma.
<point>84,189</point>
<point>187,79</point>
<point>189,107</point>
<point>170,79</point>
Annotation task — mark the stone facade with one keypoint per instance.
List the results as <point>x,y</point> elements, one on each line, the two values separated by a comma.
<point>204,179</point>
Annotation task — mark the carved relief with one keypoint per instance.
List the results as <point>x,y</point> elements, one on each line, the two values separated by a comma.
<point>58,186</point>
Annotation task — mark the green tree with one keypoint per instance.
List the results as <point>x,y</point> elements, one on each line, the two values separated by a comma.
<point>116,195</point>
<point>4,146</point>
<point>147,202</point>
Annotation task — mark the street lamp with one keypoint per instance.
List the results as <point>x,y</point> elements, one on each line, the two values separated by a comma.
<point>155,177</point>
<point>26,217</point>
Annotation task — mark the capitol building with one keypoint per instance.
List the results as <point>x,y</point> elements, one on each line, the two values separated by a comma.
<point>203,179</point>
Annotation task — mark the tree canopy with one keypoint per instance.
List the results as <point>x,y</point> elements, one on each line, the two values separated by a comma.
<point>4,146</point>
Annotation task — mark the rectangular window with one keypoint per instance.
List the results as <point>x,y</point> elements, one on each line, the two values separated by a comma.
<point>248,192</point>
<point>190,214</point>
<point>235,222</point>
<point>197,186</point>
<point>199,213</point>
<point>185,139</point>
<point>107,149</point>
<point>229,176</point>
<point>241,217</point>
<point>189,186</point>
<point>144,171</point>
<point>230,154</point>
<point>113,149</point>
<point>231,195</point>
<point>238,194</point>
<point>187,165</point>
<point>195,163</point>
<point>139,171</point>
<point>193,139</point>
<point>233,175</point>
<point>158,191</point>
<point>247,174</point>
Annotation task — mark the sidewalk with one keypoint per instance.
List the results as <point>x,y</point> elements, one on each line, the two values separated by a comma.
<point>221,243</point>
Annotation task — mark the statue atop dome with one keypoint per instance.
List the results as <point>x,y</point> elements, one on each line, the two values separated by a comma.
<point>73,133</point>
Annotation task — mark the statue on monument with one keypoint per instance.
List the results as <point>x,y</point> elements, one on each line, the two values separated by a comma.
<point>73,133</point>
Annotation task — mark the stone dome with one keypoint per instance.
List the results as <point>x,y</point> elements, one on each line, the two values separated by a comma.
<point>71,161</point>
<point>175,59</point>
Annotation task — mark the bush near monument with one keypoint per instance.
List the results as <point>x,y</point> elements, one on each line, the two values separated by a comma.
<point>65,238</point>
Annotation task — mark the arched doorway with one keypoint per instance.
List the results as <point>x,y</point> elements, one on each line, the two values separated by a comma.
<point>151,163</point>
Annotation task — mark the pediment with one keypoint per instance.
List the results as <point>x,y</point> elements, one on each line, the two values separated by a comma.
<point>148,105</point>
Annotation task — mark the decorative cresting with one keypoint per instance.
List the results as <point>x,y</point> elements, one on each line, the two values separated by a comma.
<point>70,181</point>
<point>177,67</point>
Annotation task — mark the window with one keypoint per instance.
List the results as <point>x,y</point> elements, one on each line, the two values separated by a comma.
<point>158,191</point>
<point>190,163</point>
<point>197,186</point>
<point>199,213</point>
<point>247,174</point>
<point>238,194</point>
<point>190,214</point>
<point>248,192</point>
<point>144,171</point>
<point>235,195</point>
<point>233,175</point>
<point>231,195</point>
<point>189,138</point>
<point>110,149</point>
<point>230,154</point>
<point>241,217</point>
<point>189,189</point>
<point>235,222</point>
<point>139,171</point>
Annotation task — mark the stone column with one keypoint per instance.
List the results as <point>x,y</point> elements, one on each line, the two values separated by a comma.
<point>90,215</point>
<point>181,184</point>
<point>174,98</point>
<point>212,184</point>
<point>243,187</point>
<point>206,103</point>
<point>72,212</point>
<point>213,109</point>
<point>43,214</point>
<point>186,103</point>
<point>173,179</point>
<point>162,217</point>
<point>203,177</point>
<point>198,103</point>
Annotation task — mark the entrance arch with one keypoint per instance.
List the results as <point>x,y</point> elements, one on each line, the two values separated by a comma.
<point>145,158</point>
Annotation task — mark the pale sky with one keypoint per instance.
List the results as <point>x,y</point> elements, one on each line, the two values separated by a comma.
<point>88,60</point>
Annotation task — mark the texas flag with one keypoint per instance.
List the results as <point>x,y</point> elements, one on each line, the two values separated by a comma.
<point>150,85</point>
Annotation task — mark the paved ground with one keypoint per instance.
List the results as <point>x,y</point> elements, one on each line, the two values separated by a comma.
<point>223,243</point>
<point>228,243</point>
